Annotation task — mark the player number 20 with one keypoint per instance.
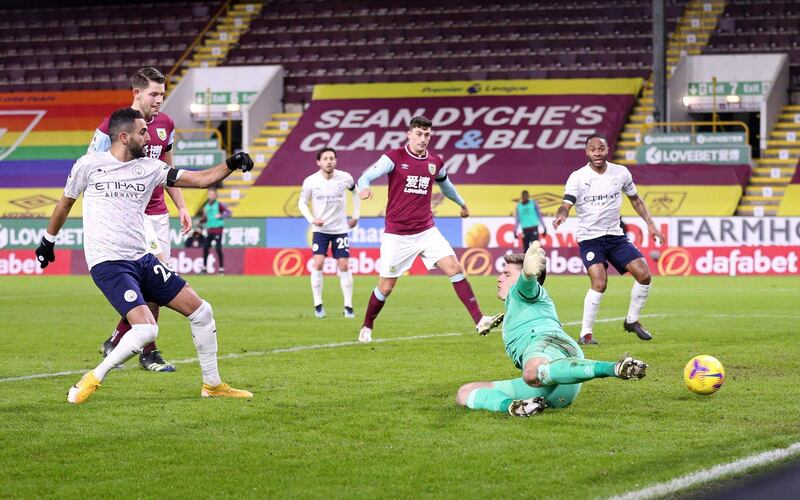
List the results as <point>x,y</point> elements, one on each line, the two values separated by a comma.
<point>159,269</point>
<point>343,242</point>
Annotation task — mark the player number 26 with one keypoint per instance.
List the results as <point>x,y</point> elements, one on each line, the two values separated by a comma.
<point>159,269</point>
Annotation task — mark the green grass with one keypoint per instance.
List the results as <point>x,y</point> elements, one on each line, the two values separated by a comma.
<point>379,420</point>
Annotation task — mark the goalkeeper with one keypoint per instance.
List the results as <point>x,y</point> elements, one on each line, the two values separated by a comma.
<point>552,363</point>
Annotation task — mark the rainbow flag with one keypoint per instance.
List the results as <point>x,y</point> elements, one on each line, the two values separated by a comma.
<point>43,133</point>
<point>41,136</point>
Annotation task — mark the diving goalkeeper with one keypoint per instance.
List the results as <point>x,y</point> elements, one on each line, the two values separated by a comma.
<point>552,363</point>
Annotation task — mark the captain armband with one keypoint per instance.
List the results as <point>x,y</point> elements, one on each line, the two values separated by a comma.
<point>570,199</point>
<point>173,175</point>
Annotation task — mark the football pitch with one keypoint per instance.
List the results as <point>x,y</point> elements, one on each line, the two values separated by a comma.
<point>333,418</point>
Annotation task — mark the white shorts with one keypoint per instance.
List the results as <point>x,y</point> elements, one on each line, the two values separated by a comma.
<point>398,251</point>
<point>156,234</point>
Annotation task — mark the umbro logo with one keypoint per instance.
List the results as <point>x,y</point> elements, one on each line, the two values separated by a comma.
<point>404,166</point>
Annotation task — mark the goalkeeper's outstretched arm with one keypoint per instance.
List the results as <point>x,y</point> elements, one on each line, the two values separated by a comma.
<point>533,271</point>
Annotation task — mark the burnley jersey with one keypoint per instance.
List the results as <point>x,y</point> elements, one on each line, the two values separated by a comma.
<point>162,135</point>
<point>411,180</point>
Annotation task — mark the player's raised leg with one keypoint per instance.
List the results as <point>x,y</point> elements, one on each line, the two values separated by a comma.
<point>204,335</point>
<point>143,331</point>
<point>639,293</point>
<point>541,371</point>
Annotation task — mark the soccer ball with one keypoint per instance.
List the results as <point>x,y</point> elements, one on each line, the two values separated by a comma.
<point>704,375</point>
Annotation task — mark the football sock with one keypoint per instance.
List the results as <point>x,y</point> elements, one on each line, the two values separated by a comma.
<point>152,345</point>
<point>204,335</point>
<point>130,345</point>
<point>376,302</point>
<point>639,294</point>
<point>316,286</point>
<point>467,296</point>
<point>488,399</point>
<point>573,371</point>
<point>590,306</point>
<point>346,282</point>
<point>122,328</point>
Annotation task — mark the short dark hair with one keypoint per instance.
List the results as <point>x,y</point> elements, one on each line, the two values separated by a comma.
<point>121,120</point>
<point>596,136</point>
<point>525,191</point>
<point>514,258</point>
<point>518,259</point>
<point>143,76</point>
<point>324,150</point>
<point>419,122</point>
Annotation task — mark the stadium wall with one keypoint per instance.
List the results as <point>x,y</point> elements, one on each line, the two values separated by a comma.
<point>280,246</point>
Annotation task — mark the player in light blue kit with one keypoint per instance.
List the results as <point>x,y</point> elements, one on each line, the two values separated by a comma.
<point>552,363</point>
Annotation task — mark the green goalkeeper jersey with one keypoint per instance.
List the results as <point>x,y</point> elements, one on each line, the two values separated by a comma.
<point>529,311</point>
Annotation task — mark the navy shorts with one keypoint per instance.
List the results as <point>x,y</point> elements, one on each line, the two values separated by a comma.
<point>339,243</point>
<point>130,283</point>
<point>616,250</point>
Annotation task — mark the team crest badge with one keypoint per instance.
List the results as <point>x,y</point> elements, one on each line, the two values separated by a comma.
<point>432,168</point>
<point>162,133</point>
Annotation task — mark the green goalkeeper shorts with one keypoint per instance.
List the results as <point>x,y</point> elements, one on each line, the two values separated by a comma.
<point>551,346</point>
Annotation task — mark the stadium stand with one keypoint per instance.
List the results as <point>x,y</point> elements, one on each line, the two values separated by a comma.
<point>760,26</point>
<point>331,42</point>
<point>92,47</point>
<point>757,26</point>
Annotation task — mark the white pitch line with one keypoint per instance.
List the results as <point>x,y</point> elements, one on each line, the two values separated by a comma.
<point>289,349</point>
<point>716,472</point>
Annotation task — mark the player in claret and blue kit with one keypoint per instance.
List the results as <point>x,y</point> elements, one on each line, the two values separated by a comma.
<point>410,230</point>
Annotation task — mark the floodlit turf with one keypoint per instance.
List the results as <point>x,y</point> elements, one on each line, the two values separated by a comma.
<point>379,420</point>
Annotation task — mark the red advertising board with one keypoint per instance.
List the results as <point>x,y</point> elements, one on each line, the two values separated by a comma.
<point>672,261</point>
<point>730,261</point>
<point>23,262</point>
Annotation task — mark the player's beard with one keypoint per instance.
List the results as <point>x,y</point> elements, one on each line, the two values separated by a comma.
<point>135,150</point>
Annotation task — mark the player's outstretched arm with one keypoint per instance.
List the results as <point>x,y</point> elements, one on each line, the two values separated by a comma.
<point>535,261</point>
<point>561,215</point>
<point>206,178</point>
<point>45,253</point>
<point>640,206</point>
<point>383,166</point>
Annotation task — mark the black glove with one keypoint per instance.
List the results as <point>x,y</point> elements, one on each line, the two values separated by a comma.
<point>45,254</point>
<point>240,161</point>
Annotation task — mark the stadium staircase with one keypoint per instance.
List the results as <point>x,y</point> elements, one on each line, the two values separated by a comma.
<point>264,146</point>
<point>692,33</point>
<point>218,41</point>
<point>774,170</point>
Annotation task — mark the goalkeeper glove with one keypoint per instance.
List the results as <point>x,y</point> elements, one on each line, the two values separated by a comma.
<point>535,261</point>
<point>45,253</point>
<point>240,161</point>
